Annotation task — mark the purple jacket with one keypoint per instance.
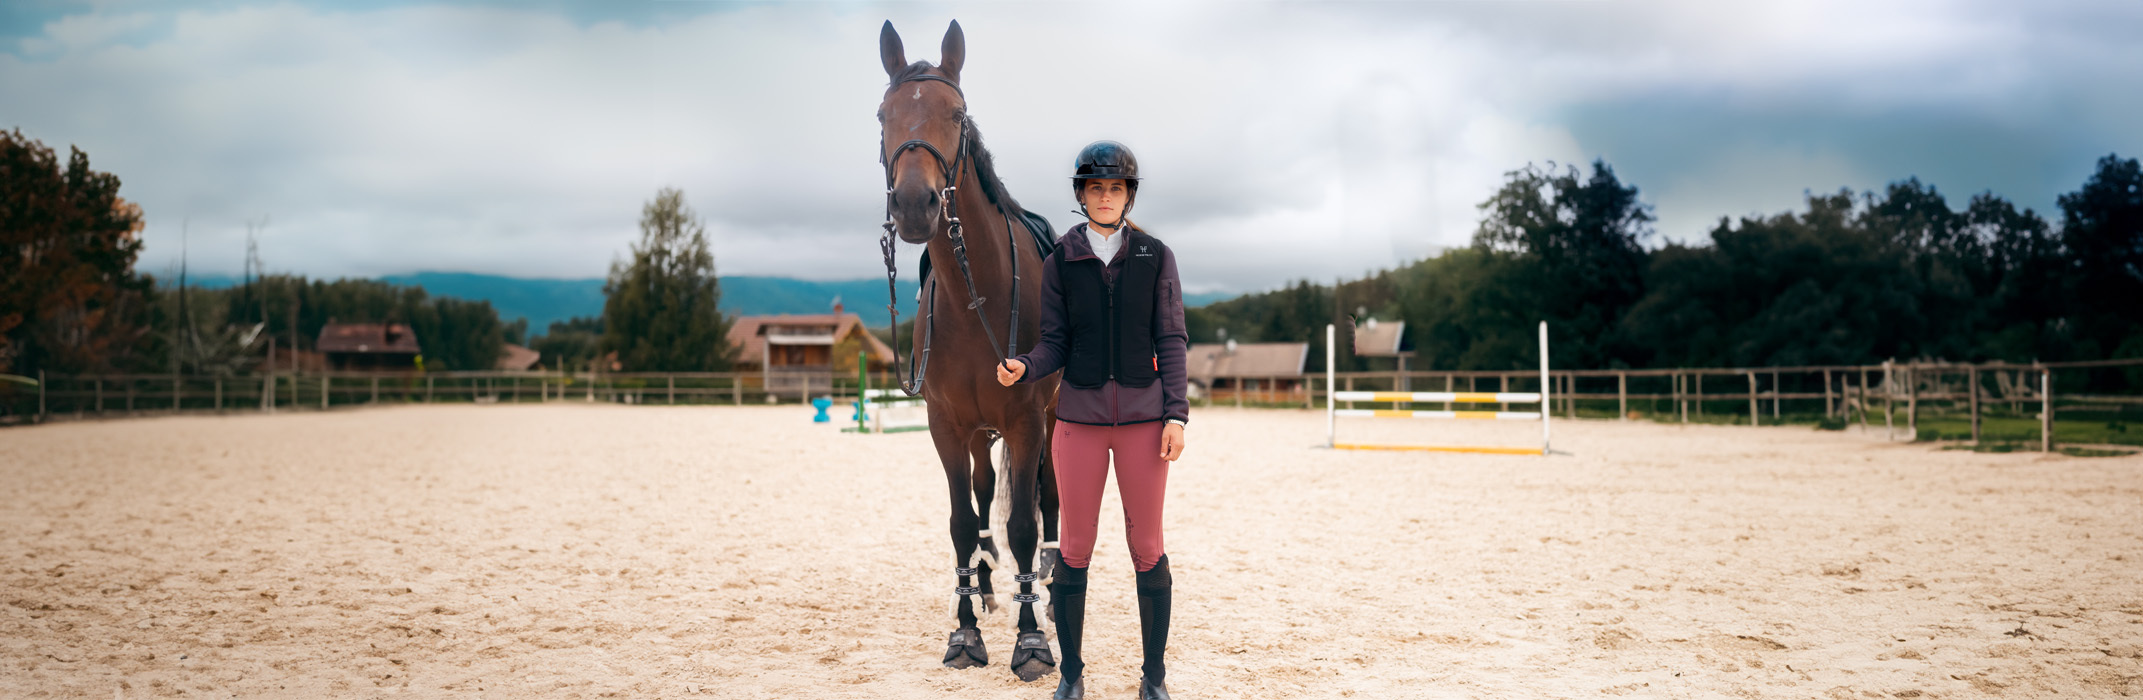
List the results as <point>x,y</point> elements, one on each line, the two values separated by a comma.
<point>1112,403</point>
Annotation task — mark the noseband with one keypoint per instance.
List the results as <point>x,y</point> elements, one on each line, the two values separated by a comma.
<point>948,208</point>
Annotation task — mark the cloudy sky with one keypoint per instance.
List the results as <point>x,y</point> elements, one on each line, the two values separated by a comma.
<point>1280,140</point>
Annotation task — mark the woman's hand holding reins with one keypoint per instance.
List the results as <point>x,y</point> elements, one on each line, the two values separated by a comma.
<point>1010,371</point>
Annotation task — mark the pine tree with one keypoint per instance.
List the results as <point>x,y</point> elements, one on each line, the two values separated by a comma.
<point>662,309</point>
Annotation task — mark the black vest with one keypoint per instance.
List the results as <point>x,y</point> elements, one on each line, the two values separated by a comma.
<point>1112,328</point>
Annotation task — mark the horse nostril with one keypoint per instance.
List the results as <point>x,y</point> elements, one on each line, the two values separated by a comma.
<point>933,198</point>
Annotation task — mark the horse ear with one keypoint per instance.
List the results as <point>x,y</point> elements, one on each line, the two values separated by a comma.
<point>953,53</point>
<point>889,51</point>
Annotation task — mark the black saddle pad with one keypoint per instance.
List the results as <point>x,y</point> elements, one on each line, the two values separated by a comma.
<point>1045,242</point>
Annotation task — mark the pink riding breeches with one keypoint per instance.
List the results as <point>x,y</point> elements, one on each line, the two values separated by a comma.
<point>1081,454</point>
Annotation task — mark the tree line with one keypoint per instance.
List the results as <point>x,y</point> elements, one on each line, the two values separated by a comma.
<point>71,301</point>
<point>1849,278</point>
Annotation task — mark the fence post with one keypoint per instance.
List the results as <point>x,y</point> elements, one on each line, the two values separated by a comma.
<point>1700,394</point>
<point>1622,395</point>
<point>1889,400</point>
<point>427,389</point>
<point>1827,409</point>
<point>1350,387</point>
<point>375,390</point>
<point>40,396</point>
<point>1752,399</point>
<point>100,394</point>
<point>1972,377</point>
<point>736,388</point>
<point>219,394</point>
<point>178,393</point>
<point>1912,401</point>
<point>323,391</point>
<point>1681,400</point>
<point>1238,384</point>
<point>2046,410</point>
<point>673,389</point>
<point>1775,392</point>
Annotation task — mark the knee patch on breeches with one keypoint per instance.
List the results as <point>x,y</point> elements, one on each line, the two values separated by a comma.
<point>1156,580</point>
<point>1069,580</point>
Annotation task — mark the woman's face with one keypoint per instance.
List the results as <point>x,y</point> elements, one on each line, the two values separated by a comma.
<point>1104,199</point>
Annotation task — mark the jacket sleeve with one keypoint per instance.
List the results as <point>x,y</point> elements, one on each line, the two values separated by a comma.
<point>1048,354</point>
<point>1171,341</point>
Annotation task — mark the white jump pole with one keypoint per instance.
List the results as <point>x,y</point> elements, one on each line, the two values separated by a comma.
<point>1331,348</point>
<point>1545,402</point>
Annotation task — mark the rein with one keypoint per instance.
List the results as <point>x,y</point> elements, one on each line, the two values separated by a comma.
<point>948,207</point>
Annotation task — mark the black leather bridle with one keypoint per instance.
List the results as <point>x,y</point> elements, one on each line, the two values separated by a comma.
<point>953,170</point>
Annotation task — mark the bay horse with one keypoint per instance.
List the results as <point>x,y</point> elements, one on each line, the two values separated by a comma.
<point>988,259</point>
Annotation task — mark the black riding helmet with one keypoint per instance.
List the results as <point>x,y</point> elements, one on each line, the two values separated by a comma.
<point>1106,160</point>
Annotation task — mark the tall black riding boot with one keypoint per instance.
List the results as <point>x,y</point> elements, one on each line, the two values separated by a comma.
<point>1068,587</point>
<point>1154,591</point>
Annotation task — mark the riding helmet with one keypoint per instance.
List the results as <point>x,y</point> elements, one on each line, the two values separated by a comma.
<point>1103,160</point>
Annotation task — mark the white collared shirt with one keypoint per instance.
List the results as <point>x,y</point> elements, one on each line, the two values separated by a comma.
<point>1105,247</point>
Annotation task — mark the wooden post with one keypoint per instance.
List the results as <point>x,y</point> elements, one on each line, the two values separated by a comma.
<point>1681,400</point>
<point>1889,401</point>
<point>1828,407</point>
<point>375,390</point>
<point>1570,395</point>
<point>736,388</point>
<point>2046,410</point>
<point>1350,387</point>
<point>1700,394</point>
<point>1972,378</point>
<point>129,395</point>
<point>267,382</point>
<point>1309,391</point>
<point>1622,395</point>
<point>1238,384</point>
<point>427,389</point>
<point>673,389</point>
<point>323,391</point>
<point>1448,388</point>
<point>40,396</point>
<point>178,392</point>
<point>219,394</point>
<point>1752,399</point>
<point>1912,401</point>
<point>100,394</point>
<point>1863,405</point>
<point>1774,396</point>
<point>1506,379</point>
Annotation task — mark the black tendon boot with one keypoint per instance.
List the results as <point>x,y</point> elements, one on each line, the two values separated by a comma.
<point>1154,586</point>
<point>1068,587</point>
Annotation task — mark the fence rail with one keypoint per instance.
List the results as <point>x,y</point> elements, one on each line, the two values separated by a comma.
<point>1896,394</point>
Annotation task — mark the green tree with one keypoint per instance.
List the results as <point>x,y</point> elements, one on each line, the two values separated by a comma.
<point>1578,246</point>
<point>70,300</point>
<point>571,343</point>
<point>662,308</point>
<point>2102,230</point>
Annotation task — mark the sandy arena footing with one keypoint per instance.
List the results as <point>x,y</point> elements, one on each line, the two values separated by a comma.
<point>574,550</point>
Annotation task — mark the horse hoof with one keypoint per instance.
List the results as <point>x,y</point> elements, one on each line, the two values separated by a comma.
<point>1031,658</point>
<point>964,649</point>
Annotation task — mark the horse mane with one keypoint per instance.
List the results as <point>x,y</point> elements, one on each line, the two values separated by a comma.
<point>993,187</point>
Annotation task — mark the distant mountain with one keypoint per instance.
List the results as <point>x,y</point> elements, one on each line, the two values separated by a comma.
<point>542,301</point>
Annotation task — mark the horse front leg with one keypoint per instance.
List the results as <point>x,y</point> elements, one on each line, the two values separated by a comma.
<point>964,648</point>
<point>984,483</point>
<point>1030,654</point>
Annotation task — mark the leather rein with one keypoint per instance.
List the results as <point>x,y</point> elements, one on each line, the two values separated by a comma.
<point>953,171</point>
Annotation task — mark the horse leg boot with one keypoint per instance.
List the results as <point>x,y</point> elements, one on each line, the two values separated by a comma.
<point>1068,590</point>
<point>1155,588</point>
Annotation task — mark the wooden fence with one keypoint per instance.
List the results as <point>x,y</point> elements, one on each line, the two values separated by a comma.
<point>1895,394</point>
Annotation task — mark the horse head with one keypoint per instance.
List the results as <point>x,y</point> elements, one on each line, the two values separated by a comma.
<point>923,134</point>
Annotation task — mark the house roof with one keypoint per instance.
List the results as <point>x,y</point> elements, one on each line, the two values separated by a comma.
<point>1373,338</point>
<point>516,358</point>
<point>801,329</point>
<point>1206,361</point>
<point>368,338</point>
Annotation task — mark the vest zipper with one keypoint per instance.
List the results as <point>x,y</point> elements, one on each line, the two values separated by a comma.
<point>1111,324</point>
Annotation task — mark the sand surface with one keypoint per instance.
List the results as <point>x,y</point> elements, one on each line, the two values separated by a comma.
<point>609,551</point>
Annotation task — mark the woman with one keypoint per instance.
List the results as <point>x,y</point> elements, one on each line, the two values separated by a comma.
<point>1112,320</point>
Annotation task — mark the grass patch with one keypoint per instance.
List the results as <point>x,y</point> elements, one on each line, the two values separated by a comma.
<point>2082,427</point>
